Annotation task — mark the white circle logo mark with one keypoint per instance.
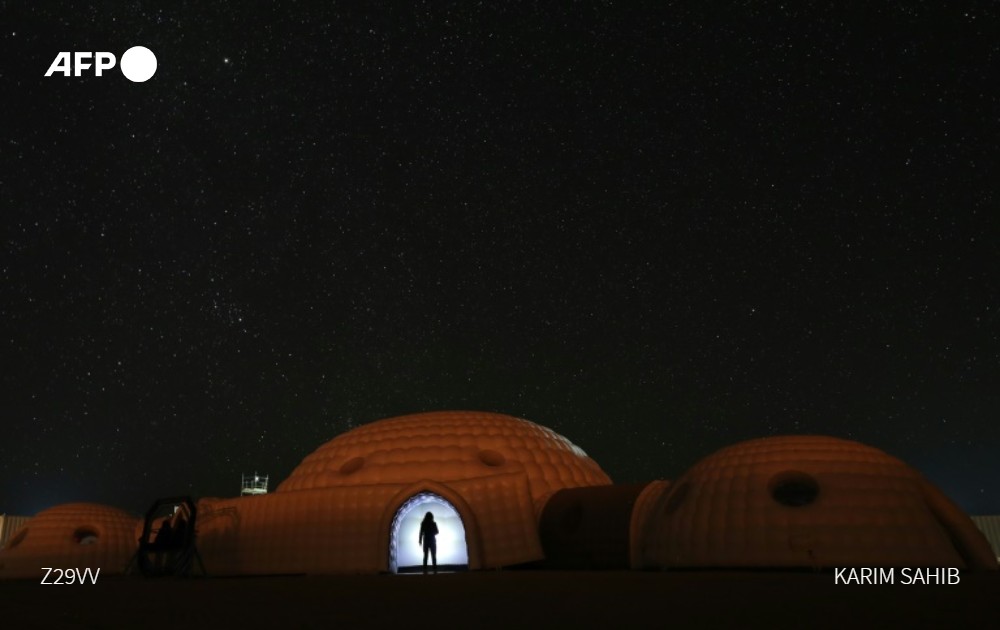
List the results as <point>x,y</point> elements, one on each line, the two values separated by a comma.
<point>138,64</point>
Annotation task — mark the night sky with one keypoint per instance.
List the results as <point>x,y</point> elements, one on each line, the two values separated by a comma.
<point>657,231</point>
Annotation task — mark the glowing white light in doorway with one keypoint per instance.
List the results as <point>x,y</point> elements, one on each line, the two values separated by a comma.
<point>406,551</point>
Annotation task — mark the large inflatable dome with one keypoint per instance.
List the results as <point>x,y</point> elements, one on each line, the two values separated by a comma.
<point>447,446</point>
<point>807,501</point>
<point>354,505</point>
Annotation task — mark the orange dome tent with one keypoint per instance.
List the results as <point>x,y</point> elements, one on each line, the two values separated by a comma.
<point>354,504</point>
<point>807,501</point>
<point>73,535</point>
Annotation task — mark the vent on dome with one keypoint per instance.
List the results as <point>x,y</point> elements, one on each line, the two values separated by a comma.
<point>492,458</point>
<point>793,488</point>
<point>85,535</point>
<point>352,466</point>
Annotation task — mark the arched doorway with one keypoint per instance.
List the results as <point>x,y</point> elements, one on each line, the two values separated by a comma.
<point>406,555</point>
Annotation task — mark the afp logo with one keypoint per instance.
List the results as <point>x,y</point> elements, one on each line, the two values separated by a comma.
<point>138,64</point>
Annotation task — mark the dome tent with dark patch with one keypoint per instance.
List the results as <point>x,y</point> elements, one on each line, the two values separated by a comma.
<point>84,535</point>
<point>807,501</point>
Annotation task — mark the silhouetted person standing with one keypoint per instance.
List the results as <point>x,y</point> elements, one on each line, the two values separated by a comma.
<point>428,537</point>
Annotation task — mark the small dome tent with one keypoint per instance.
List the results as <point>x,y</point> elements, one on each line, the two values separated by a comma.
<point>352,506</point>
<point>73,535</point>
<point>807,501</point>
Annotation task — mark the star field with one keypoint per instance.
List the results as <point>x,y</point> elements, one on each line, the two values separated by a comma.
<point>656,231</point>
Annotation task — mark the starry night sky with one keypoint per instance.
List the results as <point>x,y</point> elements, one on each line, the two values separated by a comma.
<point>657,231</point>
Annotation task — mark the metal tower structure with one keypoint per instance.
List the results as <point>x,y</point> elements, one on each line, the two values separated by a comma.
<point>254,484</point>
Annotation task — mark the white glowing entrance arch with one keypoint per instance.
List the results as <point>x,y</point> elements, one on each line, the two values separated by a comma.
<point>405,552</point>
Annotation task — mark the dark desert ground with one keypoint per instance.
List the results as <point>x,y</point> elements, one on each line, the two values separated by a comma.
<point>505,599</point>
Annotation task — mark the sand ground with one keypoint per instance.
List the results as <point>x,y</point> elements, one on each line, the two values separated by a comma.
<point>504,599</point>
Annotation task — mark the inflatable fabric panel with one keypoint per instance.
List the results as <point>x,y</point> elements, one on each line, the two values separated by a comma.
<point>505,515</point>
<point>315,531</point>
